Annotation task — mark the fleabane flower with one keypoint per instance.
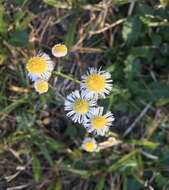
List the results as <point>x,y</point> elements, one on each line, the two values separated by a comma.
<point>97,82</point>
<point>59,50</point>
<point>99,122</point>
<point>79,106</point>
<point>41,86</point>
<point>40,67</point>
<point>89,144</point>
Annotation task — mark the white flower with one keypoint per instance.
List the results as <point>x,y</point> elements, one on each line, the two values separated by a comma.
<point>98,122</point>
<point>79,106</point>
<point>97,82</point>
<point>40,67</point>
<point>89,144</point>
<point>59,50</point>
<point>41,86</point>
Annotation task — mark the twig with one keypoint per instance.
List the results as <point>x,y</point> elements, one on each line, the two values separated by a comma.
<point>107,27</point>
<point>137,119</point>
<point>109,143</point>
<point>131,8</point>
<point>18,187</point>
<point>150,156</point>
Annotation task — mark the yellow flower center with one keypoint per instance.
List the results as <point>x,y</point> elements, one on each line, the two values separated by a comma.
<point>81,106</point>
<point>37,65</point>
<point>96,83</point>
<point>99,122</point>
<point>89,146</point>
<point>59,50</point>
<point>41,86</point>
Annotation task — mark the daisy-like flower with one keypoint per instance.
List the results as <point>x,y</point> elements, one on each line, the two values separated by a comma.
<point>59,50</point>
<point>40,67</point>
<point>89,144</point>
<point>97,82</point>
<point>98,122</point>
<point>79,105</point>
<point>41,86</point>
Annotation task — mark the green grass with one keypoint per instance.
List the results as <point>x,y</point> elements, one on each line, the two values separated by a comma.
<point>39,145</point>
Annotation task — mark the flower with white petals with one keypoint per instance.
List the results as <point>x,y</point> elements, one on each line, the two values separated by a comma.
<point>59,50</point>
<point>40,67</point>
<point>97,82</point>
<point>79,106</point>
<point>41,86</point>
<point>89,144</point>
<point>98,122</point>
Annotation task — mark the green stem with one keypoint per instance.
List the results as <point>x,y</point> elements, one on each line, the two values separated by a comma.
<point>68,77</point>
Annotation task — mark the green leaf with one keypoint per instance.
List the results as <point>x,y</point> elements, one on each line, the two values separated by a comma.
<point>70,36</point>
<point>3,26</point>
<point>36,168</point>
<point>58,184</point>
<point>164,3</point>
<point>162,101</point>
<point>19,38</point>
<point>18,2</point>
<point>131,30</point>
<point>101,182</point>
<point>159,90</point>
<point>57,4</point>
<point>161,180</point>
<point>144,143</point>
<point>55,145</point>
<point>131,184</point>
<point>123,161</point>
<point>46,153</point>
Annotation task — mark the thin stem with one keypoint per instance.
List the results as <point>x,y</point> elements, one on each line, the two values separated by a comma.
<point>68,77</point>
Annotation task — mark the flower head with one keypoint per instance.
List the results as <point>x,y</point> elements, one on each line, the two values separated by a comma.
<point>41,86</point>
<point>40,67</point>
<point>97,82</point>
<point>79,106</point>
<point>89,144</point>
<point>98,122</point>
<point>59,50</point>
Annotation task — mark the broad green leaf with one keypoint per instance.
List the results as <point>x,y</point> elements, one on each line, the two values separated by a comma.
<point>11,107</point>
<point>19,38</point>
<point>131,31</point>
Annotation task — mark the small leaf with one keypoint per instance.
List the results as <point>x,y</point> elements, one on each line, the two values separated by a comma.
<point>3,26</point>
<point>70,36</point>
<point>36,168</point>
<point>162,101</point>
<point>101,182</point>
